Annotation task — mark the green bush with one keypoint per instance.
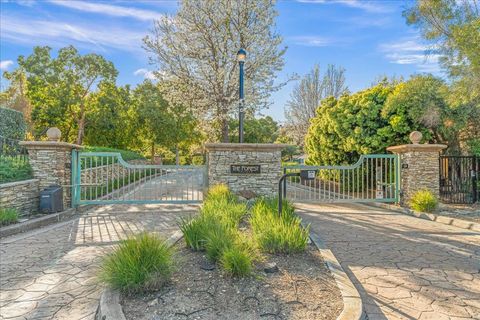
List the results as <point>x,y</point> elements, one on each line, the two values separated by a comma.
<point>12,124</point>
<point>278,234</point>
<point>236,261</point>
<point>424,201</point>
<point>195,230</point>
<point>14,169</point>
<point>220,192</point>
<point>142,263</point>
<point>8,216</point>
<point>218,239</point>
<point>127,155</point>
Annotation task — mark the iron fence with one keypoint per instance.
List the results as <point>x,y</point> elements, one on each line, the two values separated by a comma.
<point>459,179</point>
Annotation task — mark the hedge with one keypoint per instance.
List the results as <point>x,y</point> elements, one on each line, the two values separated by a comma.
<point>12,124</point>
<point>127,155</point>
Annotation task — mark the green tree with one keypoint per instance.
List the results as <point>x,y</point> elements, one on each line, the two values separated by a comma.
<point>59,89</point>
<point>160,124</point>
<point>256,130</point>
<point>111,118</point>
<point>347,127</point>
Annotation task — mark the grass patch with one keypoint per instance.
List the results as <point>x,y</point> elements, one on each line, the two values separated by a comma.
<point>138,264</point>
<point>278,234</point>
<point>236,261</point>
<point>424,201</point>
<point>8,216</point>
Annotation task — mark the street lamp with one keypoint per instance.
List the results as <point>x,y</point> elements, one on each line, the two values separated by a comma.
<point>241,56</point>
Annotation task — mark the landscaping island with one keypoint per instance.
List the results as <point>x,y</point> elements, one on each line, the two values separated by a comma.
<point>236,261</point>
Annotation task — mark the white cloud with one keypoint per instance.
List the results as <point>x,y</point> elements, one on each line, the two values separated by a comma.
<point>412,51</point>
<point>5,64</point>
<point>58,33</point>
<point>369,6</point>
<point>312,41</point>
<point>108,9</point>
<point>147,74</point>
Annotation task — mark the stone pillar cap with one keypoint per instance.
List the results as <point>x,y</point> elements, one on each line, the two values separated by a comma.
<point>417,148</point>
<point>49,145</point>
<point>245,146</point>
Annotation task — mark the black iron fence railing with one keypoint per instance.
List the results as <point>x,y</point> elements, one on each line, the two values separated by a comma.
<point>459,179</point>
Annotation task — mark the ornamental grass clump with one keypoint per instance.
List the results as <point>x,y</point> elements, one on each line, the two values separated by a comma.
<point>139,264</point>
<point>278,234</point>
<point>8,216</point>
<point>424,201</point>
<point>215,230</point>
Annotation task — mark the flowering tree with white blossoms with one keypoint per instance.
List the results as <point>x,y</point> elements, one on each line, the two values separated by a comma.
<point>195,53</point>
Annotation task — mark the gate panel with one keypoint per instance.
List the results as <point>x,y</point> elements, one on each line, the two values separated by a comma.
<point>459,179</point>
<point>105,178</point>
<point>374,178</point>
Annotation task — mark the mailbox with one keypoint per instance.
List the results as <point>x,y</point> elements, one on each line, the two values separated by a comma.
<point>308,174</point>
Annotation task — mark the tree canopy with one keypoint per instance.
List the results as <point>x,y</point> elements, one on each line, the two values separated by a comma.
<point>195,51</point>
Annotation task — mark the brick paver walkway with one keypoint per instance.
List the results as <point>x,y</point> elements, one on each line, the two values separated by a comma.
<point>50,273</point>
<point>404,267</point>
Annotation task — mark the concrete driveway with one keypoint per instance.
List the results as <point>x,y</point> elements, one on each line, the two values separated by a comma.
<point>403,267</point>
<point>51,273</point>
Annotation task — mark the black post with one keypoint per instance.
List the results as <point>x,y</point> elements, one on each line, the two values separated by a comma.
<point>285,184</point>
<point>280,193</point>
<point>474,178</point>
<point>241,105</point>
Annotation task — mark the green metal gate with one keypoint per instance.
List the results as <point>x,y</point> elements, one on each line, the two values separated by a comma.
<point>374,178</point>
<point>105,178</point>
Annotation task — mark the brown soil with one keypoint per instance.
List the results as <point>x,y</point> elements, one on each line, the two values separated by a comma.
<point>302,289</point>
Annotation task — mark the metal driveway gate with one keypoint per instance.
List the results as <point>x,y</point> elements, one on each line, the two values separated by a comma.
<point>374,178</point>
<point>105,178</point>
<point>459,179</point>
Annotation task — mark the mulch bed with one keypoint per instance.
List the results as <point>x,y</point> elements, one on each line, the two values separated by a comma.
<point>303,288</point>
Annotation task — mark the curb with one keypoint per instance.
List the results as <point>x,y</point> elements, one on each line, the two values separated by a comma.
<point>459,223</point>
<point>352,302</point>
<point>36,223</point>
<point>109,307</point>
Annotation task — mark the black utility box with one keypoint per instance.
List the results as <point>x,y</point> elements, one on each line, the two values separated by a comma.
<point>51,199</point>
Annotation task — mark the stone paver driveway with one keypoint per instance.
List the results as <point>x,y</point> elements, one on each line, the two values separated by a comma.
<point>404,267</point>
<point>50,273</point>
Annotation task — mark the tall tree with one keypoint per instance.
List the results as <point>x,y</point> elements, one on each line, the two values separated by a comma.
<point>195,50</point>
<point>59,88</point>
<point>453,27</point>
<point>257,130</point>
<point>307,94</point>
<point>15,96</point>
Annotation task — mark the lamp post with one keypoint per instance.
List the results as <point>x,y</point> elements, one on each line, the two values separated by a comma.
<point>241,56</point>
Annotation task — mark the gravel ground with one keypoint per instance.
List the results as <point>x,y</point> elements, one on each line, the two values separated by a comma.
<point>469,212</point>
<point>302,289</point>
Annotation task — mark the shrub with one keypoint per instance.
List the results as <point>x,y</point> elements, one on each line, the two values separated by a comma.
<point>424,201</point>
<point>12,124</point>
<point>14,169</point>
<point>219,239</point>
<point>220,192</point>
<point>229,212</point>
<point>278,234</point>
<point>195,230</point>
<point>142,263</point>
<point>8,216</point>
<point>127,155</point>
<point>236,261</point>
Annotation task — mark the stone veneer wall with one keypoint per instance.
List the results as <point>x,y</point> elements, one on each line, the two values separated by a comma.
<point>20,195</point>
<point>222,155</point>
<point>420,169</point>
<point>51,163</point>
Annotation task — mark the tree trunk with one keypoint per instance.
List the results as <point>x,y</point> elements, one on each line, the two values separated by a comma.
<point>177,155</point>
<point>152,153</point>
<point>81,128</point>
<point>225,130</point>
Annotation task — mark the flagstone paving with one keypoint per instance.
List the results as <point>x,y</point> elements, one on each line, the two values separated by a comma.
<point>51,273</point>
<point>404,267</point>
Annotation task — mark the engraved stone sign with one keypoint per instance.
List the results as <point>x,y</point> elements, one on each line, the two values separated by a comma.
<point>245,168</point>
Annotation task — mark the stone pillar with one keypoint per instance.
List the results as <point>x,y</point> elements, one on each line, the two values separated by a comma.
<point>419,167</point>
<point>249,169</point>
<point>51,163</point>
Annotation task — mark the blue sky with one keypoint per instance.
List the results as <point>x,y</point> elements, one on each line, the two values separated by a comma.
<point>368,38</point>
